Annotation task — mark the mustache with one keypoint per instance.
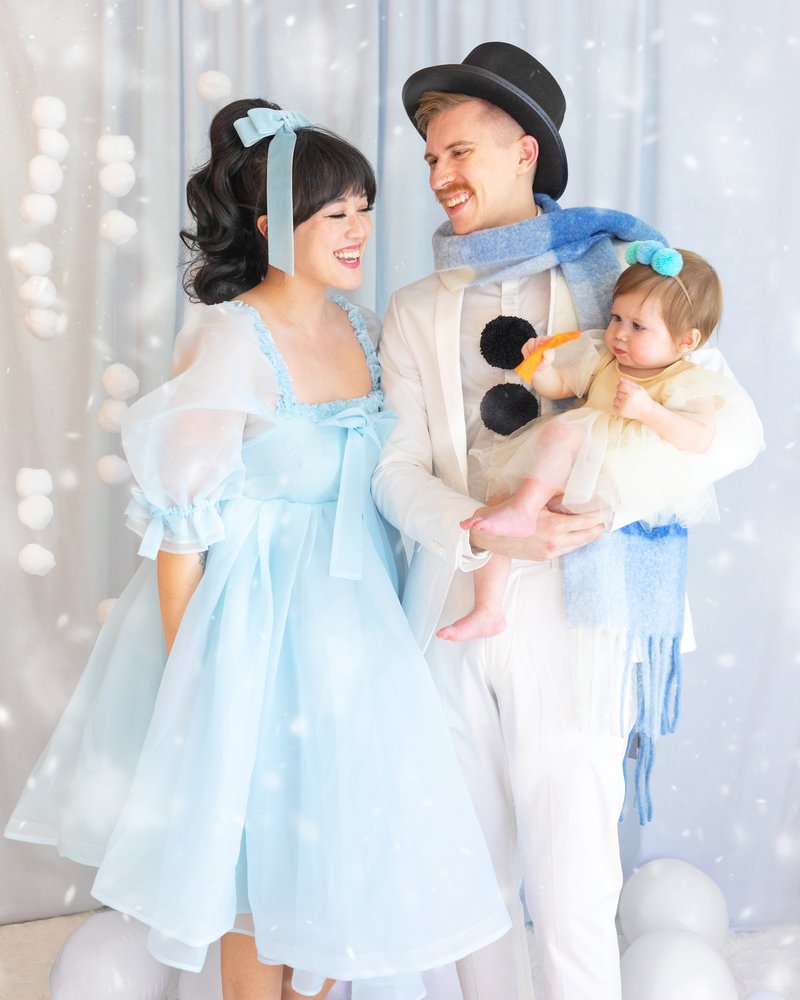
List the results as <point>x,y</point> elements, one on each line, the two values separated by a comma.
<point>452,189</point>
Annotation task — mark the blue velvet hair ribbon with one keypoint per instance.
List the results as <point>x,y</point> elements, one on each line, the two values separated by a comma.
<point>259,124</point>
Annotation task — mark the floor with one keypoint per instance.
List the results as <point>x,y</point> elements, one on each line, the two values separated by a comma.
<point>763,960</point>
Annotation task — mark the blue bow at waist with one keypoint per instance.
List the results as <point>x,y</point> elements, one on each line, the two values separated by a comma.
<point>354,504</point>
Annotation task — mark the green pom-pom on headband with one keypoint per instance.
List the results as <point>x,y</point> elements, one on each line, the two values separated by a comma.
<point>663,259</point>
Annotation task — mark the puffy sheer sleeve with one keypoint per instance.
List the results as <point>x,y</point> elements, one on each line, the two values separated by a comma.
<point>183,441</point>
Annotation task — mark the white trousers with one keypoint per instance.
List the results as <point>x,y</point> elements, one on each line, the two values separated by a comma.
<point>535,718</point>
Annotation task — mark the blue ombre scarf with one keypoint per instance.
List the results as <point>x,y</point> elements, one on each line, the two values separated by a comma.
<point>635,579</point>
<point>576,239</point>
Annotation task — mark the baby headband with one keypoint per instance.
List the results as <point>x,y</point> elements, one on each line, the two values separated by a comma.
<point>663,260</point>
<point>260,123</point>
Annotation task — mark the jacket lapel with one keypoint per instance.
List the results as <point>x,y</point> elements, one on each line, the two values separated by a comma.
<point>447,332</point>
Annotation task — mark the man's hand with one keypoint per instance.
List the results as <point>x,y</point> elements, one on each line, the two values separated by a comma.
<point>556,534</point>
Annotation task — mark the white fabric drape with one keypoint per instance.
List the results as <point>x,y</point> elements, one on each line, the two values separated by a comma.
<point>682,114</point>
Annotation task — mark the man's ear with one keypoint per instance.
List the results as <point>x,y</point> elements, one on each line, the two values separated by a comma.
<point>261,222</point>
<point>528,153</point>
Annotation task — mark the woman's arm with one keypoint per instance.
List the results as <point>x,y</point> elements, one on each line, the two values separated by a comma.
<point>178,577</point>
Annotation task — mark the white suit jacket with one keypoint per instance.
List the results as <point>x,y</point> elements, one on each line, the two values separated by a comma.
<point>420,483</point>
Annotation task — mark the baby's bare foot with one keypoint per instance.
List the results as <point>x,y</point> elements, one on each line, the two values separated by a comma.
<point>477,624</point>
<point>505,519</point>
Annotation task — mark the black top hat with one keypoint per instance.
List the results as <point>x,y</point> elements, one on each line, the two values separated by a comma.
<point>513,80</point>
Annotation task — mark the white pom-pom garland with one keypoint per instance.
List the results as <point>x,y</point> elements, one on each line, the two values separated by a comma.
<point>117,227</point>
<point>43,324</point>
<point>38,292</point>
<point>31,481</point>
<point>33,258</point>
<point>49,112</point>
<point>103,608</point>
<point>213,85</point>
<point>38,209</point>
<point>119,381</point>
<point>117,178</point>
<point>51,142</point>
<point>45,174</point>
<point>115,147</point>
<point>111,469</point>
<point>36,560</point>
<point>110,414</point>
<point>35,512</point>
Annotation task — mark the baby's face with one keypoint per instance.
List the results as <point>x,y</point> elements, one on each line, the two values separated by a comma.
<point>638,337</point>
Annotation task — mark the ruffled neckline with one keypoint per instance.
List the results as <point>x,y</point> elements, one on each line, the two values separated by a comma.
<point>288,404</point>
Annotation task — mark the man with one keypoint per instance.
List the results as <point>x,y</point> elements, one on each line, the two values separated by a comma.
<point>536,725</point>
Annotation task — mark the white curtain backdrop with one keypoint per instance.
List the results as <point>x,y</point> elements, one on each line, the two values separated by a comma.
<point>683,113</point>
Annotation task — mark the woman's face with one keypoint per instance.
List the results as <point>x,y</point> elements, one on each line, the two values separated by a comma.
<point>328,247</point>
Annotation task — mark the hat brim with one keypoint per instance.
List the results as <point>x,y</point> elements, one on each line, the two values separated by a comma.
<point>551,169</point>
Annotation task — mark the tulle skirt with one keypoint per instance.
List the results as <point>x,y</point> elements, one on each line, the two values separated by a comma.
<point>286,771</point>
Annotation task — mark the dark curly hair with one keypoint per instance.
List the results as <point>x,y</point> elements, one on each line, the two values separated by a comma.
<point>228,194</point>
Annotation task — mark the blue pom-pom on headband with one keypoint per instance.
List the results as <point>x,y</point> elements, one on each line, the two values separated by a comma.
<point>663,260</point>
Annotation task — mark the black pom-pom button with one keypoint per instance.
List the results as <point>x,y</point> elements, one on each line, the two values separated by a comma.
<point>502,339</point>
<point>507,407</point>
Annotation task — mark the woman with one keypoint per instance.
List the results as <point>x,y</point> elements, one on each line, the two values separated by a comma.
<point>283,771</point>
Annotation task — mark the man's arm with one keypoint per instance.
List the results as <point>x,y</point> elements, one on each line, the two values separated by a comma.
<point>423,507</point>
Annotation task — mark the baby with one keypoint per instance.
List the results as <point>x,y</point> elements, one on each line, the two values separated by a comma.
<point>639,441</point>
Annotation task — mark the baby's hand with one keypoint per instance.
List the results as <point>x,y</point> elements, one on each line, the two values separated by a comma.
<point>631,401</point>
<point>547,356</point>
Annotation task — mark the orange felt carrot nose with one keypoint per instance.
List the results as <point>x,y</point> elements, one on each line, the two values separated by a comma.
<point>526,369</point>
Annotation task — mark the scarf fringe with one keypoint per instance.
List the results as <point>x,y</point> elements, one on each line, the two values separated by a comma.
<point>658,699</point>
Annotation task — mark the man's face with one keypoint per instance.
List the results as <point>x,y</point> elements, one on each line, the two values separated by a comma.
<point>476,168</point>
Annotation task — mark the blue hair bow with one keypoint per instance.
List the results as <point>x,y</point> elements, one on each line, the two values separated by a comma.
<point>260,123</point>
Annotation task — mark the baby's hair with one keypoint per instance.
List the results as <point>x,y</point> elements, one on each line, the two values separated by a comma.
<point>701,310</point>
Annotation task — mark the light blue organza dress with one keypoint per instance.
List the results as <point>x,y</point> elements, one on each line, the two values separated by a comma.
<point>287,770</point>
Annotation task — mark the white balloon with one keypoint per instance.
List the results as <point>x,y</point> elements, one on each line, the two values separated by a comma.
<point>205,984</point>
<point>35,512</point>
<point>119,381</point>
<point>675,965</point>
<point>45,174</point>
<point>53,143</point>
<point>106,958</point>
<point>43,323</point>
<point>30,481</point>
<point>111,470</point>
<point>763,995</point>
<point>667,894</point>
<point>117,178</point>
<point>117,227</point>
<point>110,414</point>
<point>36,560</point>
<point>213,85</point>
<point>103,608</point>
<point>49,112</point>
<point>115,147</point>
<point>38,209</point>
<point>33,258</point>
<point>38,291</point>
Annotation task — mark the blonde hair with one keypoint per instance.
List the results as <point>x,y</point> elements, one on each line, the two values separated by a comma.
<point>693,303</point>
<point>434,102</point>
